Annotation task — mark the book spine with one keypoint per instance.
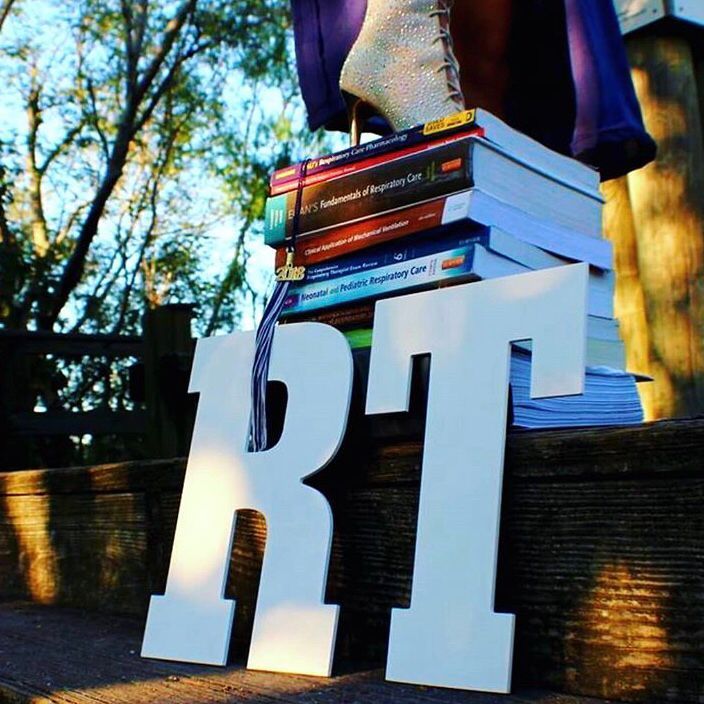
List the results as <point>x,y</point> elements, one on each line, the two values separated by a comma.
<point>389,255</point>
<point>393,185</point>
<point>357,166</point>
<point>341,241</point>
<point>342,317</point>
<point>461,122</point>
<point>359,339</point>
<point>421,272</point>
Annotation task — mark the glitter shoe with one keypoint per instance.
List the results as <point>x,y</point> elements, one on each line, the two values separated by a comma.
<point>402,65</point>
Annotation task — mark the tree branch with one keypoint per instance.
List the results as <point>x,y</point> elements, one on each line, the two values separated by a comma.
<point>130,49</point>
<point>153,198</point>
<point>40,236</point>
<point>60,147</point>
<point>167,82</point>
<point>127,129</point>
<point>226,284</point>
<point>72,219</point>
<point>7,237</point>
<point>171,33</point>
<point>157,96</point>
<point>5,8</point>
<point>108,276</point>
<point>141,29</point>
<point>96,118</point>
<point>127,293</point>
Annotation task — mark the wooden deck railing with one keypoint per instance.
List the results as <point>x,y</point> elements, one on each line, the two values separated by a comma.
<point>159,411</point>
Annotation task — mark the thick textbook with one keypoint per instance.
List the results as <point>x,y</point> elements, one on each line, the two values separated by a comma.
<point>395,267</point>
<point>477,121</point>
<point>360,315</point>
<point>390,186</point>
<point>414,180</point>
<point>343,317</point>
<point>460,123</point>
<point>466,263</point>
<point>346,239</point>
<point>458,210</point>
<point>600,353</point>
<point>519,257</point>
<point>371,162</point>
<point>610,398</point>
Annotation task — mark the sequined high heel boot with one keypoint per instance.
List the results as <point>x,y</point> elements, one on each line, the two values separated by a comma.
<point>402,65</point>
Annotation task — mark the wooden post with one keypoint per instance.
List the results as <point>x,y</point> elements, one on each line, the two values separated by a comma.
<point>16,396</point>
<point>629,299</point>
<point>665,246</point>
<point>168,352</point>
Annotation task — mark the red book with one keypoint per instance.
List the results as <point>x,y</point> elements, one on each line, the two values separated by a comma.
<point>465,122</point>
<point>355,167</point>
<point>367,233</point>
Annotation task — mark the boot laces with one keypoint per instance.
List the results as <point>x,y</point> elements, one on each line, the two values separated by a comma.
<point>450,65</point>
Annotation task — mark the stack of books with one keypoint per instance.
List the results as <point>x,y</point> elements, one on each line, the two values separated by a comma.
<point>453,201</point>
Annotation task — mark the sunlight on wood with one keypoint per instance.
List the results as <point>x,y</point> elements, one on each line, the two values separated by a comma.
<point>30,517</point>
<point>655,219</point>
<point>629,300</point>
<point>213,686</point>
<point>629,635</point>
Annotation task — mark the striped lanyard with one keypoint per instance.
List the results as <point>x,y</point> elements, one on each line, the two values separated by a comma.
<point>265,332</point>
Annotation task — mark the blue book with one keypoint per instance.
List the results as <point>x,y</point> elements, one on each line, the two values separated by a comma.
<point>396,252</point>
<point>610,398</point>
<point>400,270</point>
<point>470,252</point>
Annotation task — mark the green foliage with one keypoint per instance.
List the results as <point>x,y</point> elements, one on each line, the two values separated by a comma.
<point>136,142</point>
<point>134,165</point>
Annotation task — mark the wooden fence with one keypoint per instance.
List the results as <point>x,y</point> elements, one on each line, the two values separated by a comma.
<point>159,406</point>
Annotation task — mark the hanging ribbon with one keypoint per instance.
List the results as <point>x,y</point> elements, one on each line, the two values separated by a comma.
<point>267,327</point>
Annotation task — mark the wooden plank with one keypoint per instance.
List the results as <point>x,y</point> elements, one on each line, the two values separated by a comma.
<point>31,342</point>
<point>64,656</point>
<point>137,476</point>
<point>21,353</point>
<point>97,422</point>
<point>667,198</point>
<point>82,549</point>
<point>666,447</point>
<point>601,556</point>
<point>653,449</point>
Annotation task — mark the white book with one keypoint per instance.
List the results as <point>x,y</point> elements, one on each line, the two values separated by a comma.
<point>512,178</point>
<point>600,353</point>
<point>571,172</point>
<point>414,180</point>
<point>373,275</point>
<point>529,257</point>
<point>478,206</point>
